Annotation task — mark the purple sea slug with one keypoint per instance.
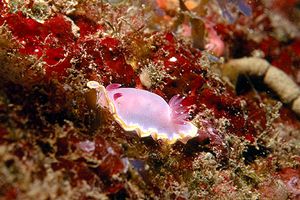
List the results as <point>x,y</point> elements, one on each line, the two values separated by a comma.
<point>146,113</point>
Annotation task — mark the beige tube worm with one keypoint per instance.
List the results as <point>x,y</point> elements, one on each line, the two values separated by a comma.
<point>274,78</point>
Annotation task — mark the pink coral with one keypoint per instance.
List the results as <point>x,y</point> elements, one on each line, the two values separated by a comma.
<point>215,43</point>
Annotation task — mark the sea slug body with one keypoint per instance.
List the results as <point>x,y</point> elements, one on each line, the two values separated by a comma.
<point>146,113</point>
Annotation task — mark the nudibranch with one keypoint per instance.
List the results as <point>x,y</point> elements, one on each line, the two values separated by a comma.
<point>145,112</point>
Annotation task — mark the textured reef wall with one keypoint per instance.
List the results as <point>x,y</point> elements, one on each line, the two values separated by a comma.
<point>57,140</point>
